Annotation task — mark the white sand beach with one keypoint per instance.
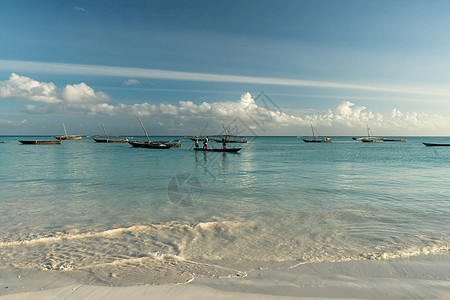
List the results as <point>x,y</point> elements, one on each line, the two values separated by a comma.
<point>422,277</point>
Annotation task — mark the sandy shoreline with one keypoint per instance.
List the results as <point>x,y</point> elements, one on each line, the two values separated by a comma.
<point>422,277</point>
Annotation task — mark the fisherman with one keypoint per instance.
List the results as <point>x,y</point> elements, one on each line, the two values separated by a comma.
<point>205,143</point>
<point>196,143</point>
<point>224,144</point>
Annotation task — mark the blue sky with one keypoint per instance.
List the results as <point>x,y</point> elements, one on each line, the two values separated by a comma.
<point>182,64</point>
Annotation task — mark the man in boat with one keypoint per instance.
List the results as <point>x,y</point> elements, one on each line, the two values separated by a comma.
<point>205,143</point>
<point>196,142</point>
<point>224,144</point>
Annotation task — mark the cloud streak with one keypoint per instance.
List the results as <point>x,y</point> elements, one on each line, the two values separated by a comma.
<point>95,70</point>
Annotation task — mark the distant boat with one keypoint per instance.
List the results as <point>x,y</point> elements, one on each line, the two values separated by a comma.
<point>150,144</point>
<point>393,140</point>
<point>436,145</point>
<point>37,142</point>
<point>66,136</point>
<point>235,150</point>
<point>108,140</point>
<point>369,138</point>
<point>317,138</point>
<point>229,138</point>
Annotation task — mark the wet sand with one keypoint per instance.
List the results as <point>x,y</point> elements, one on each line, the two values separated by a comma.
<point>422,277</point>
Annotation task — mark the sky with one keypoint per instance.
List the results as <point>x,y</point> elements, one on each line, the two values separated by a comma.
<point>254,67</point>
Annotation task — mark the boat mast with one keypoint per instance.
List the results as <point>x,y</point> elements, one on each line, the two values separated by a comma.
<point>144,129</point>
<point>368,130</point>
<point>312,129</point>
<point>104,131</point>
<point>65,129</point>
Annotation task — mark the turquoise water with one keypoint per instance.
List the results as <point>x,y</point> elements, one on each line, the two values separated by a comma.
<point>109,210</point>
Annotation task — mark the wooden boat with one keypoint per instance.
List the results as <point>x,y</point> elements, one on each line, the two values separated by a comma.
<point>110,140</point>
<point>121,139</point>
<point>39,142</point>
<point>436,145</point>
<point>393,140</point>
<point>317,138</point>
<point>66,136</point>
<point>229,138</point>
<point>153,145</point>
<point>369,138</point>
<point>150,144</point>
<point>235,150</point>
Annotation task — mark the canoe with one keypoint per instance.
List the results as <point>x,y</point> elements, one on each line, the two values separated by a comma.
<point>235,150</point>
<point>109,141</point>
<point>436,145</point>
<point>68,137</point>
<point>36,142</point>
<point>393,140</point>
<point>371,140</point>
<point>152,145</point>
<point>317,141</point>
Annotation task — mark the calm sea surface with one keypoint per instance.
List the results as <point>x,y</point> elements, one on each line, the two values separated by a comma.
<point>113,214</point>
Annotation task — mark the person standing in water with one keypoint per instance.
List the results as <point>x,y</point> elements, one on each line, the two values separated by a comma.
<point>205,143</point>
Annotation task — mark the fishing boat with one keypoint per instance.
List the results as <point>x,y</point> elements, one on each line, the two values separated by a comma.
<point>115,138</point>
<point>149,143</point>
<point>393,140</point>
<point>317,138</point>
<point>39,142</point>
<point>369,138</point>
<point>66,136</point>
<point>153,145</point>
<point>436,145</point>
<point>234,150</point>
<point>229,138</point>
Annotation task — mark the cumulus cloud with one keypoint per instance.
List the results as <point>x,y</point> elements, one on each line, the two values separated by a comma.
<point>21,87</point>
<point>76,97</point>
<point>82,99</point>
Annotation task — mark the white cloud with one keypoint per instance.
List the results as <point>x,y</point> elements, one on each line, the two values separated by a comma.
<point>132,82</point>
<point>79,8</point>
<point>77,97</point>
<point>82,99</point>
<point>21,87</point>
<point>9,122</point>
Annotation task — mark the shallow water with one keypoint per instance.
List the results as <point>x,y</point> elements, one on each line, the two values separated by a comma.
<point>113,214</point>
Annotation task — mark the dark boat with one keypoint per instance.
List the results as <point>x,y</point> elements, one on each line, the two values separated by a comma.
<point>153,145</point>
<point>235,150</point>
<point>150,144</point>
<point>37,142</point>
<point>110,140</point>
<point>317,138</point>
<point>393,140</point>
<point>436,145</point>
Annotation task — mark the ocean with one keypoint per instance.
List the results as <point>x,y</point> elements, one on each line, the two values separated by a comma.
<point>117,215</point>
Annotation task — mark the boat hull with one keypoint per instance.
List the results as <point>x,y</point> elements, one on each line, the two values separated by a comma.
<point>152,145</point>
<point>110,141</point>
<point>38,142</point>
<point>63,138</point>
<point>235,150</point>
<point>393,140</point>
<point>436,145</point>
<point>317,141</point>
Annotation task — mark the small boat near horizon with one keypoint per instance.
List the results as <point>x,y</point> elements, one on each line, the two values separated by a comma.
<point>233,150</point>
<point>120,139</point>
<point>393,140</point>
<point>436,145</point>
<point>317,138</point>
<point>151,144</point>
<point>39,142</point>
<point>369,138</point>
<point>66,136</point>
